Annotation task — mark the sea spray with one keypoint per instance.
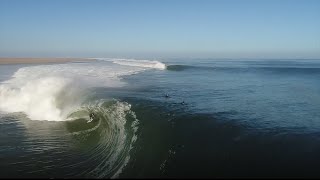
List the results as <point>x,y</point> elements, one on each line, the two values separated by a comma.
<point>37,98</point>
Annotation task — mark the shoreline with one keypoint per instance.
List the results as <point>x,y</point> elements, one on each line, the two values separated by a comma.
<point>39,60</point>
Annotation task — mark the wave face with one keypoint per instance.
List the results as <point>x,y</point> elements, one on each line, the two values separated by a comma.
<point>114,132</point>
<point>179,67</point>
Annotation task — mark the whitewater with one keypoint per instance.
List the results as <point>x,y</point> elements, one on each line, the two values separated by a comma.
<point>52,92</point>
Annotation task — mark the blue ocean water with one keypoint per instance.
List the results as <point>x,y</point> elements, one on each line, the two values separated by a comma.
<point>265,94</point>
<point>195,118</point>
<point>240,118</point>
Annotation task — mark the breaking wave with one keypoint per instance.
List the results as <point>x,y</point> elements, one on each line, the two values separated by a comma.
<point>137,63</point>
<point>63,92</point>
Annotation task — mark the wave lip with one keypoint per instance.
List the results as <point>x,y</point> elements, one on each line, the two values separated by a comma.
<point>138,63</point>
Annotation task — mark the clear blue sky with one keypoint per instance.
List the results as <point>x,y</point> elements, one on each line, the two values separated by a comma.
<point>162,28</point>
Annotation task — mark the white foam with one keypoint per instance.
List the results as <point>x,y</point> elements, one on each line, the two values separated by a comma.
<point>137,63</point>
<point>51,92</point>
<point>37,98</point>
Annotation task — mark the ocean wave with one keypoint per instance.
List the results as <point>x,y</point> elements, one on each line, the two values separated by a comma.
<point>237,68</point>
<point>179,67</point>
<point>52,92</point>
<point>137,63</point>
<point>63,92</point>
<point>114,132</point>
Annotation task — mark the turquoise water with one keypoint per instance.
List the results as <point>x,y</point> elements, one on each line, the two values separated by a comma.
<point>222,118</point>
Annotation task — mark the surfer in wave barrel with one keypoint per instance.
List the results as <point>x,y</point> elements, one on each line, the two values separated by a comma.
<point>91,116</point>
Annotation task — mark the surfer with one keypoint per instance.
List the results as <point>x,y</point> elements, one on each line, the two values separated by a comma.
<point>167,95</point>
<point>182,102</point>
<point>91,116</point>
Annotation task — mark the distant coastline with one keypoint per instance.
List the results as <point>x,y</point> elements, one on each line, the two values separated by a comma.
<point>39,60</point>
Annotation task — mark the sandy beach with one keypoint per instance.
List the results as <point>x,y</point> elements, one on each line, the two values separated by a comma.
<point>38,60</point>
